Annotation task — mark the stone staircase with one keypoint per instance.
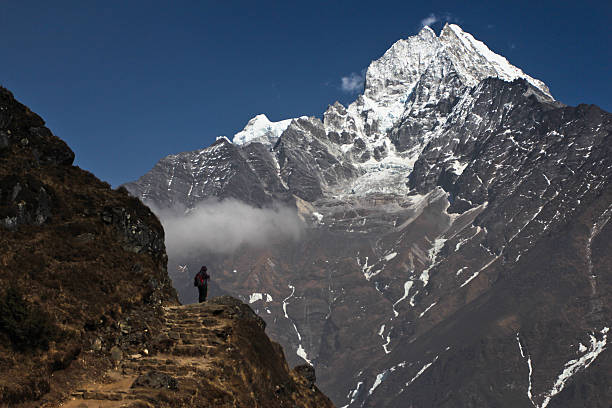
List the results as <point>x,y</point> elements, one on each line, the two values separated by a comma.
<point>213,354</point>
<point>195,337</point>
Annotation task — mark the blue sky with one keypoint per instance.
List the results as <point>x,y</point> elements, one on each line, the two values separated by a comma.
<point>128,82</point>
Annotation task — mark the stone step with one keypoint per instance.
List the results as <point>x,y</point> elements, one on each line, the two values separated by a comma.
<point>180,328</point>
<point>183,324</point>
<point>180,331</point>
<point>196,311</point>
<point>191,319</point>
<point>197,326</point>
<point>207,314</point>
<point>176,371</point>
<point>176,334</point>
<point>192,350</point>
<point>197,329</point>
<point>100,395</point>
<point>176,315</point>
<point>150,364</point>
<point>192,331</point>
<point>191,336</point>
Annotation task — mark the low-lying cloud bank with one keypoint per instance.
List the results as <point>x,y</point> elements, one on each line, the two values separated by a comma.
<point>222,227</point>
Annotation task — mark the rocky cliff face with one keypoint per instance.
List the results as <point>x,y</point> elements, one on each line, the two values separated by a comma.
<point>457,235</point>
<point>77,257</point>
<point>84,285</point>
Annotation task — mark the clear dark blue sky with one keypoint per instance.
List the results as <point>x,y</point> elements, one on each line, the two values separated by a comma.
<point>128,82</point>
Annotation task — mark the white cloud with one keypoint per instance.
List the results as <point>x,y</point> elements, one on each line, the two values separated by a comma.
<point>222,227</point>
<point>353,83</point>
<point>429,20</point>
<point>436,18</point>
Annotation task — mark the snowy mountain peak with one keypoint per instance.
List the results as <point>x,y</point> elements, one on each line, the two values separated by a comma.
<point>222,139</point>
<point>427,32</point>
<point>475,61</point>
<point>413,74</point>
<point>420,71</point>
<point>410,92</point>
<point>261,129</point>
<point>402,65</point>
<point>414,85</point>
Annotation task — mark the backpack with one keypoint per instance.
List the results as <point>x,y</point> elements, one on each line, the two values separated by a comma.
<point>199,280</point>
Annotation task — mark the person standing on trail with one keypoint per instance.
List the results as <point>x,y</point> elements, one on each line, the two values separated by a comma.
<point>201,281</point>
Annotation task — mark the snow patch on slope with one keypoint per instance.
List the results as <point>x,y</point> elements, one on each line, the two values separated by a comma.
<point>573,366</point>
<point>301,352</point>
<point>421,371</point>
<point>352,395</point>
<point>254,297</point>
<point>523,354</point>
<point>407,285</point>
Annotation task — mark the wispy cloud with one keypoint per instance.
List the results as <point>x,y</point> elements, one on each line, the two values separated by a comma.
<point>433,18</point>
<point>429,20</point>
<point>353,83</point>
<point>222,227</point>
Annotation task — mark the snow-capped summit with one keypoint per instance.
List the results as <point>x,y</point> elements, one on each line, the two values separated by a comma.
<point>391,77</point>
<point>402,65</point>
<point>261,129</point>
<point>411,93</point>
<point>413,75</point>
<point>418,79</point>
<point>424,70</point>
<point>474,61</point>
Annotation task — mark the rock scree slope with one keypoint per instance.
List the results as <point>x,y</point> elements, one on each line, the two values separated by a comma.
<point>84,290</point>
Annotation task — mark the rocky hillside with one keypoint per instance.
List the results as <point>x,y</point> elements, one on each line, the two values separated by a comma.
<point>84,285</point>
<point>456,237</point>
<point>191,366</point>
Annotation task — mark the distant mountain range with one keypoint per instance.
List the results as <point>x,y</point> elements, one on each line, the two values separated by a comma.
<point>457,249</point>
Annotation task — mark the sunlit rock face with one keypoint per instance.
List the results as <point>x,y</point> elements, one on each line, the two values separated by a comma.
<point>455,246</point>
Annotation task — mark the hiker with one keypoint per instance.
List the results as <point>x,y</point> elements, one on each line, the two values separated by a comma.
<point>201,281</point>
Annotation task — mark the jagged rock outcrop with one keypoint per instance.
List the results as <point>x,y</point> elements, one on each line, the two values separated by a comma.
<point>457,238</point>
<point>76,257</point>
<point>84,286</point>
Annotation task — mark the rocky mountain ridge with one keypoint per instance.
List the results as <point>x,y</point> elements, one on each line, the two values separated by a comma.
<point>456,239</point>
<point>409,92</point>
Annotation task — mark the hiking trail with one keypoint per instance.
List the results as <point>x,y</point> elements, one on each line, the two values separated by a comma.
<point>201,340</point>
